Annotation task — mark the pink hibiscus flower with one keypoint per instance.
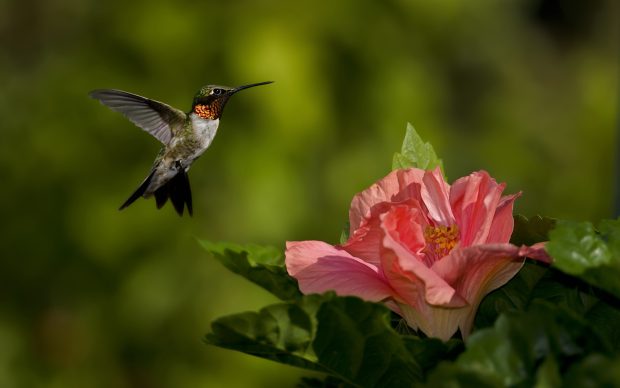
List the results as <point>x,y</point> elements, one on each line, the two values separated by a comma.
<point>428,250</point>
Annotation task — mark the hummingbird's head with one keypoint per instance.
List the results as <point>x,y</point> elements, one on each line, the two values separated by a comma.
<point>210,100</point>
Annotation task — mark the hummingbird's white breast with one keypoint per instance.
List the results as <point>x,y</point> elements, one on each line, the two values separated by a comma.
<point>204,131</point>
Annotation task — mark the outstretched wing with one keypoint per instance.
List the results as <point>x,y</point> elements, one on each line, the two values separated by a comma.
<point>159,119</point>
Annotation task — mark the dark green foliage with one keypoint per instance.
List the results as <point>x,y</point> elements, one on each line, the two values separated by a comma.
<point>345,337</point>
<point>328,382</point>
<point>594,256</point>
<point>262,265</point>
<point>521,349</point>
<point>528,231</point>
<point>517,293</point>
<point>281,332</point>
<point>595,370</point>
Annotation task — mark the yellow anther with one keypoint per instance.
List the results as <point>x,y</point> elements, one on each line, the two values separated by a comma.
<point>440,240</point>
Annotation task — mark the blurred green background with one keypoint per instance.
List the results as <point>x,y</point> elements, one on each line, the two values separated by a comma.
<point>93,297</point>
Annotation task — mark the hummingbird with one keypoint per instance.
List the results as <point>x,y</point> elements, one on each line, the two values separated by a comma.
<point>185,136</point>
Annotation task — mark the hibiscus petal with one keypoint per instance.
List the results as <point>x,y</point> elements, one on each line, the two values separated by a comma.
<point>476,271</point>
<point>412,280</point>
<point>536,252</point>
<point>365,243</point>
<point>435,194</point>
<point>397,186</point>
<point>503,221</point>
<point>473,199</point>
<point>320,267</point>
<point>470,270</point>
<point>435,321</point>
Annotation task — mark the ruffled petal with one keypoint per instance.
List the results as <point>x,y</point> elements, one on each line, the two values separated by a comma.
<point>365,242</point>
<point>473,200</point>
<point>503,221</point>
<point>320,267</point>
<point>470,270</point>
<point>435,194</point>
<point>397,186</point>
<point>407,274</point>
<point>536,252</point>
<point>476,271</point>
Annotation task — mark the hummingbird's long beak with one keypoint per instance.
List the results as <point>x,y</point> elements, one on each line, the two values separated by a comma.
<point>235,90</point>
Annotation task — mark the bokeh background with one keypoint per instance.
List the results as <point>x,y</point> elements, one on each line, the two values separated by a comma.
<point>93,297</point>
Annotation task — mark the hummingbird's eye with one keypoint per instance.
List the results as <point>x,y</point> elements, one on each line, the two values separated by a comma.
<point>217,92</point>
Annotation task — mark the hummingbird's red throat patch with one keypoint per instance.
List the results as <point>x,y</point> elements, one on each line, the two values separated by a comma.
<point>204,111</point>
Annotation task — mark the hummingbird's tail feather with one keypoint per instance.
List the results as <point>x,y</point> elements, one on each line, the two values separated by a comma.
<point>177,189</point>
<point>179,192</point>
<point>161,196</point>
<point>139,191</point>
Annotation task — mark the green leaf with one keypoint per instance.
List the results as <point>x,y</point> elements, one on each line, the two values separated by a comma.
<point>281,332</point>
<point>313,382</point>
<point>548,374</point>
<point>450,375</point>
<point>415,153</point>
<point>529,231</point>
<point>354,338</point>
<point>263,265</point>
<point>514,350</point>
<point>604,317</point>
<point>429,351</point>
<point>344,235</point>
<point>345,337</point>
<point>594,371</point>
<point>514,295</point>
<point>522,288</point>
<point>579,250</point>
<point>536,283</point>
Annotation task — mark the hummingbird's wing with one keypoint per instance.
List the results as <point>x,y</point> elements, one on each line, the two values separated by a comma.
<point>159,119</point>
